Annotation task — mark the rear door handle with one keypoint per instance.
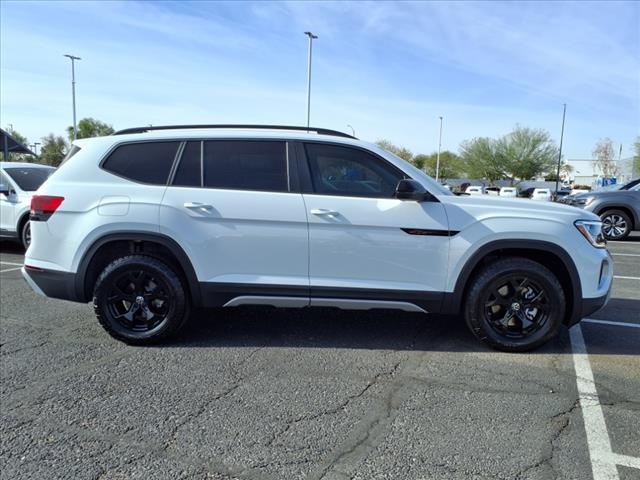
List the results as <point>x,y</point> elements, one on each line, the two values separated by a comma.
<point>324,211</point>
<point>205,206</point>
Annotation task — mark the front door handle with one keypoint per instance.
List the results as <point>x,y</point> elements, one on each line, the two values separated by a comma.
<point>324,211</point>
<point>204,206</point>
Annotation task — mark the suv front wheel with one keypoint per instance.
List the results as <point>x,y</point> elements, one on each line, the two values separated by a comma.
<point>616,224</point>
<point>140,300</point>
<point>515,304</point>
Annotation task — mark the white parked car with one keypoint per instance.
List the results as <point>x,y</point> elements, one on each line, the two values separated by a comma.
<point>510,192</point>
<point>576,191</point>
<point>541,194</point>
<point>150,222</point>
<point>475,190</point>
<point>18,182</point>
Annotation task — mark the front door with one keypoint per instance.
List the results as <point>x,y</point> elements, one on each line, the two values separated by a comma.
<point>364,243</point>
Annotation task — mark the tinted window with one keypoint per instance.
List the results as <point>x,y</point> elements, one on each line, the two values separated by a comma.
<point>29,179</point>
<point>188,173</point>
<point>245,165</point>
<point>337,170</point>
<point>147,162</point>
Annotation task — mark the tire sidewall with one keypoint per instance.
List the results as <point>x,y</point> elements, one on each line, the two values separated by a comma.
<point>474,308</point>
<point>26,227</point>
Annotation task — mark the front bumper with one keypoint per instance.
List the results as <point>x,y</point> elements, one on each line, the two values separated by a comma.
<point>52,283</point>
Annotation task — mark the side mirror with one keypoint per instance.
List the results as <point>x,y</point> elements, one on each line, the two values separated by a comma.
<point>4,189</point>
<point>409,189</point>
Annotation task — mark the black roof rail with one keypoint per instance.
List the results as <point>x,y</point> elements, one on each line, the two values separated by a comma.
<point>320,131</point>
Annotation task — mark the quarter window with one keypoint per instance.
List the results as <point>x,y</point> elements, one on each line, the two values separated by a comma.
<point>245,165</point>
<point>148,162</point>
<point>337,170</point>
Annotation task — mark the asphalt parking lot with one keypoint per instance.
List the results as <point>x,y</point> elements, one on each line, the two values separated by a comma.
<point>319,394</point>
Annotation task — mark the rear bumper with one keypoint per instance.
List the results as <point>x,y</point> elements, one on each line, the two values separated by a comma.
<point>52,283</point>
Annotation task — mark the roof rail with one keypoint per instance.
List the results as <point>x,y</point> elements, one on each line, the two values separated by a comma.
<point>319,131</point>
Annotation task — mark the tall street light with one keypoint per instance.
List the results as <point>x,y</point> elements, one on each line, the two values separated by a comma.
<point>439,148</point>
<point>312,37</point>
<point>564,113</point>
<point>73,91</point>
<point>35,147</point>
<point>353,132</point>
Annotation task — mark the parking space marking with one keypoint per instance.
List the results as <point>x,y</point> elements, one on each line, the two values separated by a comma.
<point>602,462</point>
<point>607,322</point>
<point>10,263</point>
<point>626,278</point>
<point>625,460</point>
<point>10,269</point>
<point>626,254</point>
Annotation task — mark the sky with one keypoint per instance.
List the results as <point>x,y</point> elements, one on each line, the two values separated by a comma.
<point>389,70</point>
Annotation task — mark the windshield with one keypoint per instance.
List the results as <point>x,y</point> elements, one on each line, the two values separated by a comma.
<point>29,179</point>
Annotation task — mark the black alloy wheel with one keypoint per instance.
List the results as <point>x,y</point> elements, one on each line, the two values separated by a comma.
<point>140,300</point>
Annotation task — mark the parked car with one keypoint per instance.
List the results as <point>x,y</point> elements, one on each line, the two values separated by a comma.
<point>510,192</point>
<point>164,219</point>
<point>475,190</point>
<point>493,191</point>
<point>18,182</point>
<point>618,209</point>
<point>541,194</point>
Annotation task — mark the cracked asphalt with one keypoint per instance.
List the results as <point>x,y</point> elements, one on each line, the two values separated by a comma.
<point>257,393</point>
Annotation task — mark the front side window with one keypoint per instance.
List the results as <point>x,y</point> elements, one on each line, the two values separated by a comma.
<point>245,165</point>
<point>147,162</point>
<point>338,170</point>
<point>29,179</point>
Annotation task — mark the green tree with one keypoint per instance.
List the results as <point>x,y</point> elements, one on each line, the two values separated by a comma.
<point>90,127</point>
<point>451,165</point>
<point>19,157</point>
<point>54,149</point>
<point>527,153</point>
<point>636,157</point>
<point>401,152</point>
<point>480,159</point>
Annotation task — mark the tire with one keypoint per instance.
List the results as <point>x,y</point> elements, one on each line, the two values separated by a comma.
<point>140,300</point>
<point>25,234</point>
<point>515,305</point>
<point>616,224</point>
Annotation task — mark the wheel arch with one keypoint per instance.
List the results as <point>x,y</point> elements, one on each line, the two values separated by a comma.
<point>156,245</point>
<point>549,254</point>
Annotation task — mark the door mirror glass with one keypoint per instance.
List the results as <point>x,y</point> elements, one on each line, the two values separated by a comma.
<point>409,189</point>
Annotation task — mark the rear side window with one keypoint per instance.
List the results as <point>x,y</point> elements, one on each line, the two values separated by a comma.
<point>245,165</point>
<point>189,173</point>
<point>148,162</point>
<point>29,179</point>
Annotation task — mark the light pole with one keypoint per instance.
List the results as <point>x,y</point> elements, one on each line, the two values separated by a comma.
<point>353,132</point>
<point>73,91</point>
<point>312,37</point>
<point>439,147</point>
<point>564,113</point>
<point>35,147</point>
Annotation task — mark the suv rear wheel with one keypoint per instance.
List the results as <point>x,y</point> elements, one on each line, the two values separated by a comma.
<point>140,300</point>
<point>616,224</point>
<point>515,304</point>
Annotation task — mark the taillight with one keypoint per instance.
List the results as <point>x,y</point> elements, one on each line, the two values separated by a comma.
<point>43,206</point>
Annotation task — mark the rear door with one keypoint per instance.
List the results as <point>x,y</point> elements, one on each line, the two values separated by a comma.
<point>7,207</point>
<point>364,243</point>
<point>231,206</point>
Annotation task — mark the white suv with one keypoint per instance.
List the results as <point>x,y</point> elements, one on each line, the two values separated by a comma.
<point>150,222</point>
<point>18,183</point>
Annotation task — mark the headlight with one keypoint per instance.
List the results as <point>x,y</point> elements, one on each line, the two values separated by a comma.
<point>583,201</point>
<point>592,231</point>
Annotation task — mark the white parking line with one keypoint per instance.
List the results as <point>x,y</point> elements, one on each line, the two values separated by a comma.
<point>626,278</point>
<point>603,464</point>
<point>607,322</point>
<point>10,263</point>
<point>627,242</point>
<point>626,254</point>
<point>10,269</point>
<point>625,460</point>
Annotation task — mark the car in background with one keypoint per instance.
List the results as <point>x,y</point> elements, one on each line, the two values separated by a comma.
<point>493,191</point>
<point>475,190</point>
<point>18,183</point>
<point>541,194</point>
<point>510,192</point>
<point>618,209</point>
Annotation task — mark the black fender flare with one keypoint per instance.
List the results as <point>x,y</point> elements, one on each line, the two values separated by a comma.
<point>133,236</point>
<point>453,301</point>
